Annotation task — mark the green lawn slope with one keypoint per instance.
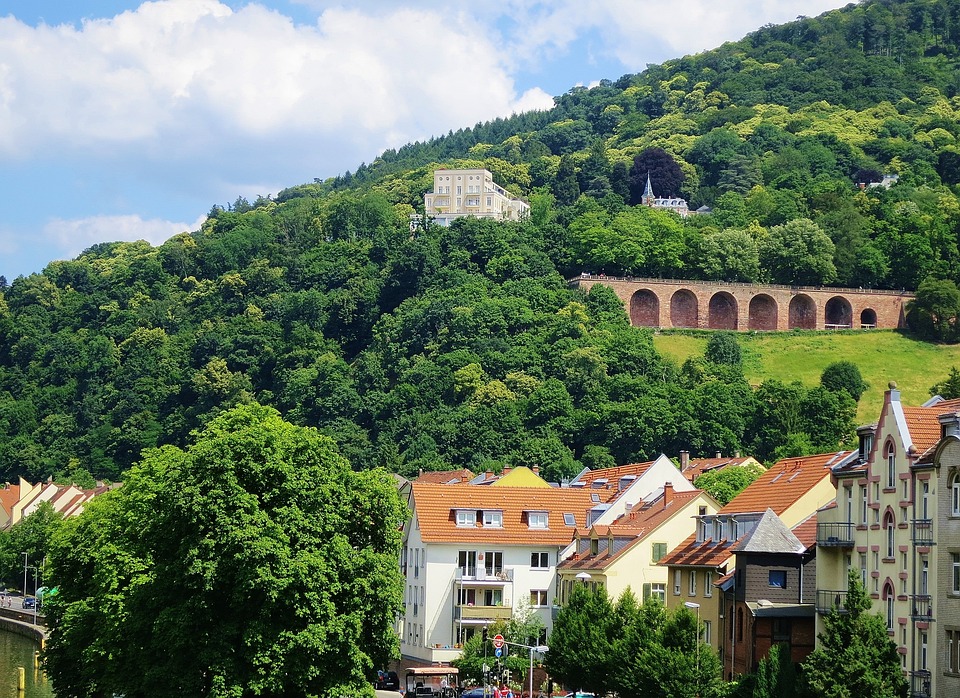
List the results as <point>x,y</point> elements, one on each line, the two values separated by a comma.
<point>882,356</point>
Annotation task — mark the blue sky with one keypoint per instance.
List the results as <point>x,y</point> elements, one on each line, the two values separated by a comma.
<point>127,120</point>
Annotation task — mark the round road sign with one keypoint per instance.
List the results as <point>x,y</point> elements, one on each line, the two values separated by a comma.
<point>498,641</point>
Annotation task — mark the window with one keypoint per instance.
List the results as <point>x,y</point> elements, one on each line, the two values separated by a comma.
<point>925,508</point>
<point>493,519</point>
<point>905,490</point>
<point>537,519</point>
<point>659,590</point>
<point>889,529</point>
<point>780,632</point>
<point>863,505</point>
<point>692,589</point>
<point>467,561</point>
<point>923,650</point>
<point>848,500</point>
<point>708,583</point>
<point>891,465</point>
<point>416,562</point>
<point>493,597</point>
<point>707,631</point>
<point>493,562</point>
<point>889,599</point>
<point>924,575</point>
<point>466,517</point>
<point>538,597</point>
<point>540,561</point>
<point>953,651</point>
<point>467,596</point>
<point>676,582</point>
<point>569,520</point>
<point>659,550</point>
<point>955,572</point>
<point>778,579</point>
<point>863,569</point>
<point>955,495</point>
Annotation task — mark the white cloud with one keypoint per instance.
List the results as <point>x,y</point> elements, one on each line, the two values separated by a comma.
<point>174,75</point>
<point>68,238</point>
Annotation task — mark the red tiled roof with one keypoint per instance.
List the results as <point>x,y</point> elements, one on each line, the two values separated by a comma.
<point>9,495</point>
<point>705,554</point>
<point>630,530</point>
<point>806,531</point>
<point>699,466</point>
<point>436,507</point>
<point>446,477</point>
<point>614,474</point>
<point>784,483</point>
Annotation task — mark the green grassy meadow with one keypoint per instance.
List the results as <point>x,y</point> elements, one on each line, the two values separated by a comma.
<point>881,355</point>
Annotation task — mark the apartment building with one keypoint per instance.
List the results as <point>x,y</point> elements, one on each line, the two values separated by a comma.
<point>895,521</point>
<point>472,192</point>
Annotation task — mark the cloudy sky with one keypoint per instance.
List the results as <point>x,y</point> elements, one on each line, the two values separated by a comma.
<point>130,120</point>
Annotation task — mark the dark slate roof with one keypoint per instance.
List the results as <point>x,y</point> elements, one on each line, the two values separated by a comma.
<point>770,536</point>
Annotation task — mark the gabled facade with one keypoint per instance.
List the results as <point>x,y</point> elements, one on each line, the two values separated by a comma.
<point>21,500</point>
<point>692,468</point>
<point>794,489</point>
<point>891,524</point>
<point>625,553</point>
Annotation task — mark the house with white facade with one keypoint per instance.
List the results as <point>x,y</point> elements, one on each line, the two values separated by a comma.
<point>471,192</point>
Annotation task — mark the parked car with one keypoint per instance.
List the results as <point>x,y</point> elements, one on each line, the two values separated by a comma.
<point>475,692</point>
<point>29,602</point>
<point>387,681</point>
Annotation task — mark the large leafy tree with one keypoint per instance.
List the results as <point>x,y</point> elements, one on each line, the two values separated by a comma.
<point>252,563</point>
<point>582,640</point>
<point>799,252</point>
<point>665,174</point>
<point>854,655</point>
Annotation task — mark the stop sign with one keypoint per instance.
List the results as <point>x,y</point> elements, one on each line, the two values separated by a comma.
<point>498,641</point>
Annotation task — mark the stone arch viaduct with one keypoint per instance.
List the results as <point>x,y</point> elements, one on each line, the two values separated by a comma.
<point>719,305</point>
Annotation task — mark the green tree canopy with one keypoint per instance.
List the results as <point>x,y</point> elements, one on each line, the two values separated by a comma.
<point>252,563</point>
<point>727,483</point>
<point>844,375</point>
<point>854,654</point>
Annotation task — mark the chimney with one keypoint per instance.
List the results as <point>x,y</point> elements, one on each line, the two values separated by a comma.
<point>736,454</point>
<point>667,493</point>
<point>505,471</point>
<point>684,460</point>
<point>718,455</point>
<point>488,475</point>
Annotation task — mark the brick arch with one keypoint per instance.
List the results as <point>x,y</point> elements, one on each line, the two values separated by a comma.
<point>684,309</point>
<point>722,311</point>
<point>763,313</point>
<point>803,313</point>
<point>868,317</point>
<point>838,312</point>
<point>645,309</point>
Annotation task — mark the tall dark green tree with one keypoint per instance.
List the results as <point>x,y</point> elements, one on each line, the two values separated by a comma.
<point>854,654</point>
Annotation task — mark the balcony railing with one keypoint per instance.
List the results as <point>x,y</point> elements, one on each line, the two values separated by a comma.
<point>839,535</point>
<point>922,531</point>
<point>828,600</point>
<point>920,684</point>
<point>480,574</point>
<point>482,612</point>
<point>921,607</point>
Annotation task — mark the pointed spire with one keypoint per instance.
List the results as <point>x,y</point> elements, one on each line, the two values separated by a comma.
<point>648,192</point>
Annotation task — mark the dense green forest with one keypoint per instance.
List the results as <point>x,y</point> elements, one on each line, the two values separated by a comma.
<point>465,346</point>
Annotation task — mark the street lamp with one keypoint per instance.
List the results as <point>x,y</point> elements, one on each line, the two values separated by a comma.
<point>24,573</point>
<point>696,635</point>
<point>541,649</point>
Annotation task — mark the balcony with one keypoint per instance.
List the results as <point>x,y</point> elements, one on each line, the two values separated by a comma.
<point>922,532</point>
<point>828,600</point>
<point>920,684</point>
<point>835,535</point>
<point>921,607</point>
<point>482,612</point>
<point>479,576</point>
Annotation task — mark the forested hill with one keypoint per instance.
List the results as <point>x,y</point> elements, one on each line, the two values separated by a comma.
<point>465,346</point>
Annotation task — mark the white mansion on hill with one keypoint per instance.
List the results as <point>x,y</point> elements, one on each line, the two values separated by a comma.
<point>459,193</point>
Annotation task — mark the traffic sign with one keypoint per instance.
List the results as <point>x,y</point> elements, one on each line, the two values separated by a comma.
<point>498,652</point>
<point>498,641</point>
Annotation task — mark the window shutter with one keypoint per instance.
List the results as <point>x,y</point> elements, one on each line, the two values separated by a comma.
<point>646,591</point>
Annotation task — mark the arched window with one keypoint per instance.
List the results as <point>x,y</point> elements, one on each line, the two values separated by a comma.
<point>889,598</point>
<point>888,526</point>
<point>955,494</point>
<point>891,465</point>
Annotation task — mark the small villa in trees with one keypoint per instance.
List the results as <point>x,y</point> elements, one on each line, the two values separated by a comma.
<point>460,193</point>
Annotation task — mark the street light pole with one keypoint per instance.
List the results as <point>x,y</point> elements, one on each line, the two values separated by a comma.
<point>25,558</point>
<point>538,648</point>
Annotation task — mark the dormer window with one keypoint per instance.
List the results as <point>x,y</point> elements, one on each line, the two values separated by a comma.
<point>466,517</point>
<point>493,518</point>
<point>538,519</point>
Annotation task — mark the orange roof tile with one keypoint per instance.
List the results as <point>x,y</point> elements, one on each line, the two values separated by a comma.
<point>784,483</point>
<point>436,506</point>
<point>614,474</point>
<point>705,554</point>
<point>629,530</point>
<point>9,495</point>
<point>698,466</point>
<point>446,477</point>
<point>806,531</point>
